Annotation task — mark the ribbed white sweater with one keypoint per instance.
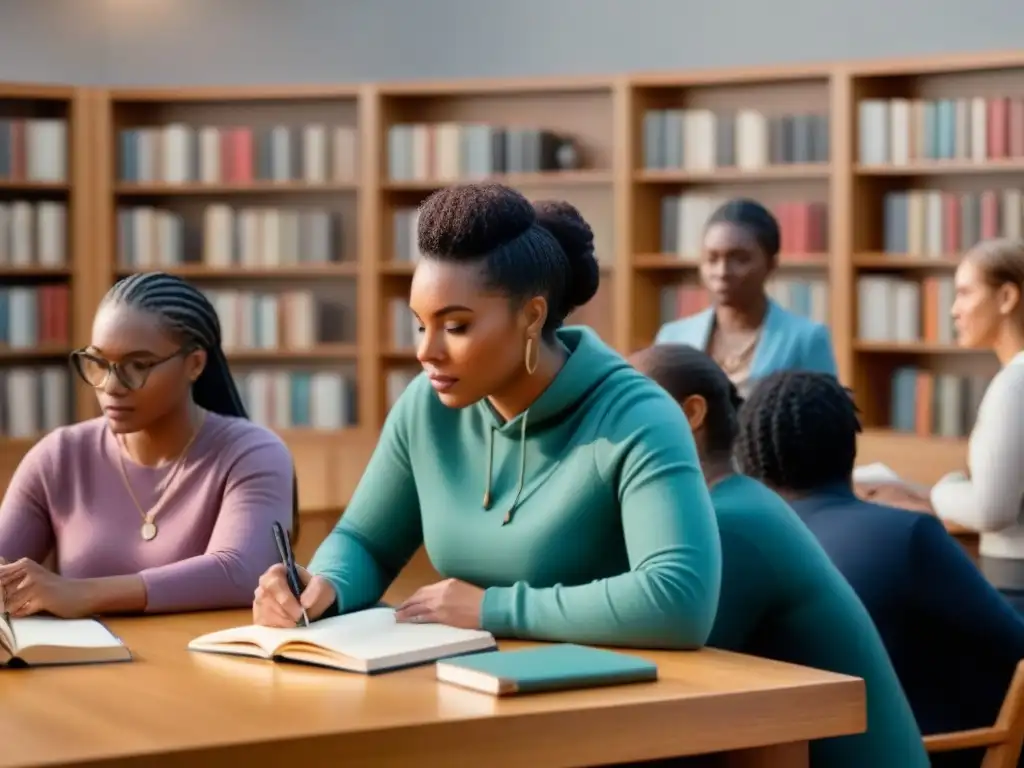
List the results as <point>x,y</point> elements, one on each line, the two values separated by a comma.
<point>992,499</point>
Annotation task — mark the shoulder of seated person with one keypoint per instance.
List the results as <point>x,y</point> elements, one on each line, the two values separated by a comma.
<point>236,435</point>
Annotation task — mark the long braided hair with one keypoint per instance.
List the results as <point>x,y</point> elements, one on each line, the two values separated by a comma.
<point>798,431</point>
<point>185,311</point>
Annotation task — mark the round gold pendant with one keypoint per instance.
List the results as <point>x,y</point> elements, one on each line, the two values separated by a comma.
<point>148,530</point>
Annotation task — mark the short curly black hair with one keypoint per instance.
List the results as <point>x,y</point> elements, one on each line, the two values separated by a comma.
<point>525,249</point>
<point>684,371</point>
<point>755,219</point>
<point>798,431</point>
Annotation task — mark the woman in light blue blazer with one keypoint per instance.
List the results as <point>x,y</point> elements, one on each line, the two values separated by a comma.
<point>748,334</point>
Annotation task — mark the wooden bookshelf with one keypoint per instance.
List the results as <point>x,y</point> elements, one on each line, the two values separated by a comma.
<point>611,174</point>
<point>937,163</point>
<point>254,195</point>
<point>45,176</point>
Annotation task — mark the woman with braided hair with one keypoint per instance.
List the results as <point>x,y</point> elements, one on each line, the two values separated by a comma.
<point>781,597</point>
<point>166,502</point>
<point>953,640</point>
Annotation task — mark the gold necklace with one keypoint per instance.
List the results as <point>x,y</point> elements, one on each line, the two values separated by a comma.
<point>732,363</point>
<point>149,529</point>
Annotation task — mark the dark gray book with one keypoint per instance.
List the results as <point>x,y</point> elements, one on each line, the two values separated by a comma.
<point>970,220</point>
<point>674,137</point>
<point>776,141</point>
<point>670,224</point>
<point>820,144</point>
<point>894,227</point>
<point>654,139</point>
<point>802,141</point>
<point>725,140</point>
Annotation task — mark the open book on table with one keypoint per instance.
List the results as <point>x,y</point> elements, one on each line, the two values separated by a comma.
<point>882,474</point>
<point>39,641</point>
<point>365,641</point>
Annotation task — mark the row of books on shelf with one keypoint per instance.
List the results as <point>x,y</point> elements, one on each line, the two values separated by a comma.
<point>34,400</point>
<point>33,234</point>
<point>298,399</point>
<point>939,224</point>
<point>684,218</point>
<point>33,316</point>
<point>703,139</point>
<point>448,152</point>
<point>403,327</point>
<point>34,150</point>
<point>806,297</point>
<point>934,404</point>
<point>289,320</point>
<point>211,154</point>
<point>255,237</point>
<point>895,309</point>
<point>972,129</point>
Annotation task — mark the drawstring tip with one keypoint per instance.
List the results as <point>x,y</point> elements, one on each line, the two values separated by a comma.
<point>487,500</point>
<point>508,518</point>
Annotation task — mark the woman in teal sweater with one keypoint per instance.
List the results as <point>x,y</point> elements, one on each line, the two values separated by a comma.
<point>557,489</point>
<point>782,598</point>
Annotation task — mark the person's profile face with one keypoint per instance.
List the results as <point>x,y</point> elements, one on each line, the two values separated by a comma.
<point>975,309</point>
<point>471,343</point>
<point>733,267</point>
<point>156,370</point>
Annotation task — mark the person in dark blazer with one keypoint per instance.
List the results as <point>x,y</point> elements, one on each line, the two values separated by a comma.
<point>953,639</point>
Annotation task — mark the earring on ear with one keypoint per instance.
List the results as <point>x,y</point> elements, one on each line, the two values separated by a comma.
<point>531,359</point>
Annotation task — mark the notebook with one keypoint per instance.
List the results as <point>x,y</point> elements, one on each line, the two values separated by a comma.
<point>365,641</point>
<point>40,641</point>
<point>882,474</point>
<point>548,668</point>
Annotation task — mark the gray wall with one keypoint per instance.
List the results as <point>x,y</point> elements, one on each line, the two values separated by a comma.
<point>183,42</point>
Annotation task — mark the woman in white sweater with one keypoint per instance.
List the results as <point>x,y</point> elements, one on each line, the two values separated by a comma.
<point>989,314</point>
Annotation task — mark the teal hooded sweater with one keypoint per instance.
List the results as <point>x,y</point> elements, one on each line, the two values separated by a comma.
<point>782,598</point>
<point>599,527</point>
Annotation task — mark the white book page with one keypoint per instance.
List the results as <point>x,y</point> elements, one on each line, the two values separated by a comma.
<point>38,631</point>
<point>882,474</point>
<point>374,634</point>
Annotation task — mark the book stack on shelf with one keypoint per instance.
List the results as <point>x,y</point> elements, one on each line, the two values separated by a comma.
<point>548,141</point>
<point>35,263</point>
<point>939,155</point>
<point>703,144</point>
<point>252,196</point>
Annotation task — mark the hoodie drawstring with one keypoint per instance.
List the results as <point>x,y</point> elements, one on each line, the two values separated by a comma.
<point>522,469</point>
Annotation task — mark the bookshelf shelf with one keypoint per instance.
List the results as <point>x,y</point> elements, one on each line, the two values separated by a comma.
<point>526,180</point>
<point>303,272</point>
<point>945,168</point>
<point>253,188</point>
<point>727,175</point>
<point>892,261</point>
<point>646,262</point>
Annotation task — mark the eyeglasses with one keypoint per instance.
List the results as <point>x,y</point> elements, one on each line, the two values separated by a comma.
<point>132,374</point>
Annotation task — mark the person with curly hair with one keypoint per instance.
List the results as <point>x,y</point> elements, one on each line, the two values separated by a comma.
<point>555,487</point>
<point>782,598</point>
<point>953,639</point>
<point>747,333</point>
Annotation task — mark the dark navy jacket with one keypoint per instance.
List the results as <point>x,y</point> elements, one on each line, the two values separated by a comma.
<point>953,640</point>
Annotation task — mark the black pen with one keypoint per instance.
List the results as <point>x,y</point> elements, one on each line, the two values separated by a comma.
<point>284,549</point>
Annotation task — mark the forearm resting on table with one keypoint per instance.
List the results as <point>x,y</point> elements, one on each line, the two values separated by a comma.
<point>114,594</point>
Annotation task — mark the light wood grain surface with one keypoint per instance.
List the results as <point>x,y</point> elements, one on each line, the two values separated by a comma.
<point>174,708</point>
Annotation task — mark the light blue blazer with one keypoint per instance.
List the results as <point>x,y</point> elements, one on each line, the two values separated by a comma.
<point>789,342</point>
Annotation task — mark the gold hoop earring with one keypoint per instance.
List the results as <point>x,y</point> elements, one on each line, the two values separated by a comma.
<point>531,367</point>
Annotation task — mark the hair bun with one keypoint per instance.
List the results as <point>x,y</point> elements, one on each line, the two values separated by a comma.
<point>576,237</point>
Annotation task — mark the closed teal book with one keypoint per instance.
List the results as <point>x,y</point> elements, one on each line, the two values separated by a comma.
<point>547,668</point>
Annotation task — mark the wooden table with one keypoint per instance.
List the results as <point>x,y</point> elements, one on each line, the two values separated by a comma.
<point>175,708</point>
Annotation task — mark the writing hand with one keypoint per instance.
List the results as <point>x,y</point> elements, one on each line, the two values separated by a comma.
<point>29,588</point>
<point>450,602</point>
<point>274,605</point>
